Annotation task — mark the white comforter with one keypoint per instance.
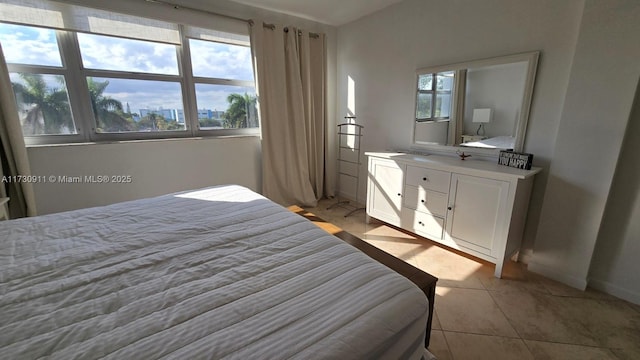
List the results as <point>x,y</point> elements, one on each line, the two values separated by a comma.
<point>497,142</point>
<point>214,273</point>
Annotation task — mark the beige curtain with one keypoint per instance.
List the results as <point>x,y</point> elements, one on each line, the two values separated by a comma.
<point>291,84</point>
<point>13,154</point>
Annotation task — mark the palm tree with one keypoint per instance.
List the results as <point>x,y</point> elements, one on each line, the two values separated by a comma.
<point>239,106</point>
<point>152,121</point>
<point>108,111</point>
<point>46,109</point>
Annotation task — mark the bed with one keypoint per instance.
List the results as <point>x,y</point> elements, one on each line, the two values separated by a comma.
<point>496,142</point>
<point>214,273</point>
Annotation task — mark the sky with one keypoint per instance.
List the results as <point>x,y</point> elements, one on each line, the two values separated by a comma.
<point>36,46</point>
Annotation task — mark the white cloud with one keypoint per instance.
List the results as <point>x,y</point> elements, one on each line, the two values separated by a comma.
<point>22,45</point>
<point>220,60</point>
<point>107,53</point>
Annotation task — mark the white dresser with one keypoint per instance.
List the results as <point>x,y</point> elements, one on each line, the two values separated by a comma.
<point>477,207</point>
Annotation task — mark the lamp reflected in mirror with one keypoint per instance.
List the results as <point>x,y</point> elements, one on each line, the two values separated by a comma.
<point>481,116</point>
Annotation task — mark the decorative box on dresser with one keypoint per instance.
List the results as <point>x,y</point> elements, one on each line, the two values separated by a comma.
<point>478,207</point>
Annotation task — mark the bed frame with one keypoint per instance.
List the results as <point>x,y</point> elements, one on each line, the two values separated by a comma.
<point>425,281</point>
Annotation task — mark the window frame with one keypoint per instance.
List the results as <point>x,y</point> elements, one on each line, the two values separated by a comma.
<point>434,96</point>
<point>191,82</point>
<point>75,75</point>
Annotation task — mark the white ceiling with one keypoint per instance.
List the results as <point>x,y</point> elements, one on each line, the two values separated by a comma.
<point>332,12</point>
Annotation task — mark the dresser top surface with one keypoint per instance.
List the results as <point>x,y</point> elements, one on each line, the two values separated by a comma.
<point>450,163</point>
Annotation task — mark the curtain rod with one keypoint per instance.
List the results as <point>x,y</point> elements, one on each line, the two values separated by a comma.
<point>285,29</point>
<point>270,26</point>
<point>178,7</point>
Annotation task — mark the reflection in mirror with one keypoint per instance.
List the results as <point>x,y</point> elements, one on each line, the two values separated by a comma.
<point>434,96</point>
<point>476,104</point>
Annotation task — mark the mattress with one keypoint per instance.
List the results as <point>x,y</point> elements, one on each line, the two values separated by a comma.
<point>214,273</point>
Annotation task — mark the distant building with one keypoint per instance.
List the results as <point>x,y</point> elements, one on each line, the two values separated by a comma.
<point>209,114</point>
<point>178,114</point>
<point>204,114</point>
<point>168,114</point>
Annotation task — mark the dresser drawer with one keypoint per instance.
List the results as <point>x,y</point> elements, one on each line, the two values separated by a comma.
<point>427,225</point>
<point>430,179</point>
<point>425,200</point>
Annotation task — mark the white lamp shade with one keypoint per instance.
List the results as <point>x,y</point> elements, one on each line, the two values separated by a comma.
<point>481,115</point>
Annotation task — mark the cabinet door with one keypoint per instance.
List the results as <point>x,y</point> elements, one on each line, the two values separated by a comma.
<point>384,189</point>
<point>477,216</point>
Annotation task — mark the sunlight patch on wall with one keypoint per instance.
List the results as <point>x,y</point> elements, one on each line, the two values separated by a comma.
<point>351,96</point>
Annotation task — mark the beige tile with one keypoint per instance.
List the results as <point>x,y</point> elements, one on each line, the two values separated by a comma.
<point>435,324</point>
<point>511,283</point>
<point>438,346</point>
<point>451,269</point>
<point>382,230</point>
<point>543,317</point>
<point>470,310</point>
<point>460,281</point>
<point>628,353</point>
<point>555,351</point>
<point>614,324</point>
<point>636,307</point>
<point>479,347</point>
<point>559,289</point>
<point>398,247</point>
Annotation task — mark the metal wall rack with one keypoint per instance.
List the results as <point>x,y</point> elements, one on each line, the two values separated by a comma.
<point>349,137</point>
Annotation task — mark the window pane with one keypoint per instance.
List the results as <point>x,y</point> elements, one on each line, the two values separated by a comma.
<point>43,104</point>
<point>445,81</point>
<point>443,105</point>
<point>29,45</point>
<point>226,107</point>
<point>125,105</point>
<point>222,61</point>
<point>112,53</point>
<point>423,109</point>
<point>425,82</point>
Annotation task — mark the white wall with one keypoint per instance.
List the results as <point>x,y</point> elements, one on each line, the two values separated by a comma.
<point>159,167</point>
<point>615,268</point>
<point>598,103</point>
<point>380,53</point>
<point>156,167</point>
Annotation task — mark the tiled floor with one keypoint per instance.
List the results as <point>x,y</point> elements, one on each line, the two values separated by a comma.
<point>521,316</point>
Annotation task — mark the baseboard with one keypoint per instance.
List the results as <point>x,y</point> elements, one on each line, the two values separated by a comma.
<point>525,256</point>
<point>552,273</point>
<point>615,290</point>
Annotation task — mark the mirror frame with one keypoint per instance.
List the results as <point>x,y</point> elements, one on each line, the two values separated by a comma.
<point>532,65</point>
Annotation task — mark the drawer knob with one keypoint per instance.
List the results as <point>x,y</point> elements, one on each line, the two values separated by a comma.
<point>424,179</point>
<point>449,208</point>
<point>420,222</point>
<point>399,194</point>
<point>422,201</point>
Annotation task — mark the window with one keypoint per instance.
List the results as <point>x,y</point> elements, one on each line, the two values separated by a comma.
<point>108,76</point>
<point>39,81</point>
<point>434,96</point>
<point>225,93</point>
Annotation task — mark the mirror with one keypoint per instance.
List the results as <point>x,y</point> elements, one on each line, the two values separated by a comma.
<point>479,106</point>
